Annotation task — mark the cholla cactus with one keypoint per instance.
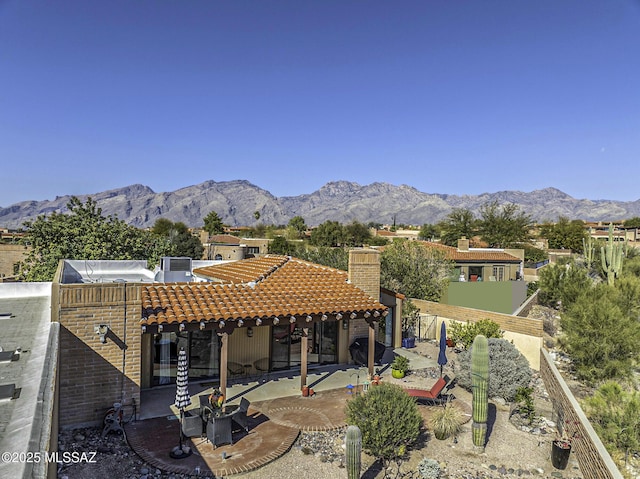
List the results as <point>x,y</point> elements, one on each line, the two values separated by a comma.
<point>354,449</point>
<point>611,255</point>
<point>480,388</point>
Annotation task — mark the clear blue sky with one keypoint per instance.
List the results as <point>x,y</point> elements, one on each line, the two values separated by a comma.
<point>457,97</point>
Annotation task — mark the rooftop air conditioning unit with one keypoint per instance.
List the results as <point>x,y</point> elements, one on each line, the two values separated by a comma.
<point>174,270</point>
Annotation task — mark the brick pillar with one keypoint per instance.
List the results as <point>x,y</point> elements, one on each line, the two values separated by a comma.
<point>364,273</point>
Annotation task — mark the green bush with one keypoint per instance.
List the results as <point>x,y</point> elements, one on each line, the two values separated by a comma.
<point>526,406</point>
<point>508,369</point>
<point>388,418</point>
<point>464,334</point>
<point>429,469</point>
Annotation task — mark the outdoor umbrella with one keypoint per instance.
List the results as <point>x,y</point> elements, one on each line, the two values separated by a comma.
<point>182,398</point>
<point>442,356</point>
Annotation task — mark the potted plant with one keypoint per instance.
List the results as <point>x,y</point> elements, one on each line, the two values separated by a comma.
<point>561,448</point>
<point>445,421</point>
<point>399,367</point>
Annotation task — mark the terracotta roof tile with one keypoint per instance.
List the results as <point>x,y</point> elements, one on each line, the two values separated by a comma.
<point>265,287</point>
<point>454,254</point>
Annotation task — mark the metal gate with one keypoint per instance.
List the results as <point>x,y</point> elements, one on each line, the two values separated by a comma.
<point>426,327</point>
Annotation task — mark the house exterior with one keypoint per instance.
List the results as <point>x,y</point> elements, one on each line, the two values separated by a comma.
<point>229,247</point>
<point>121,335</point>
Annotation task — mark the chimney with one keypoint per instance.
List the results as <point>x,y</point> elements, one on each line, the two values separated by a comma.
<point>364,270</point>
<point>463,244</point>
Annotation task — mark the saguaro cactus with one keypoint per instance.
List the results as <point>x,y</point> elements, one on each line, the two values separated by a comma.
<point>354,449</point>
<point>588,249</point>
<point>611,255</point>
<point>480,388</point>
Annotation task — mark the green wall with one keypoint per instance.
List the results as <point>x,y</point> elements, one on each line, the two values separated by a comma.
<point>498,296</point>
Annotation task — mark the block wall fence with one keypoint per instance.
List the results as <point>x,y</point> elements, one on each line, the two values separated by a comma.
<point>595,462</point>
<point>93,375</point>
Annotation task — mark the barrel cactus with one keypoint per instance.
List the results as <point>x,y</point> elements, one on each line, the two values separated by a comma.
<point>480,388</point>
<point>354,448</point>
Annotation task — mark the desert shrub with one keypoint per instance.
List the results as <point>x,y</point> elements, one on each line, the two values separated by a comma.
<point>388,418</point>
<point>508,369</point>
<point>429,469</point>
<point>446,421</point>
<point>464,334</point>
<point>615,415</point>
<point>525,403</point>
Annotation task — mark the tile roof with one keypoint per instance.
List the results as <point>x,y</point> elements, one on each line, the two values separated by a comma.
<point>225,239</point>
<point>265,288</point>
<point>455,254</point>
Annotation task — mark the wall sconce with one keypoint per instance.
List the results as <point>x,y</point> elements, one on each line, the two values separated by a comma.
<point>102,330</point>
<point>345,324</point>
<point>249,332</point>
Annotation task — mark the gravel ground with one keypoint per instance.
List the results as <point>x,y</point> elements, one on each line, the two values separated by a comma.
<point>512,450</point>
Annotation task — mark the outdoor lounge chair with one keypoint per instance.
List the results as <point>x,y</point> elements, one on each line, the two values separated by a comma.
<point>434,395</point>
<point>239,416</point>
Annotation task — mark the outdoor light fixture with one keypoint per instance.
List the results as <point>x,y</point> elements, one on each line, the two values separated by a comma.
<point>345,324</point>
<point>292,319</point>
<point>102,330</point>
<point>250,332</point>
<point>160,328</point>
<point>144,329</point>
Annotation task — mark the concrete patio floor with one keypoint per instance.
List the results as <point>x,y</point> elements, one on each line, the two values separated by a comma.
<point>277,414</point>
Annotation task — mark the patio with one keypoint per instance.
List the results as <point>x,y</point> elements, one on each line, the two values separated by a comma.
<point>277,414</point>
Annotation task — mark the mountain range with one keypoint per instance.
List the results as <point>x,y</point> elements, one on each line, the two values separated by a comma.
<point>343,201</point>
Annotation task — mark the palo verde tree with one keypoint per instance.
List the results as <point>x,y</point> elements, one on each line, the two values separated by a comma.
<point>601,334</point>
<point>83,233</point>
<point>414,270</point>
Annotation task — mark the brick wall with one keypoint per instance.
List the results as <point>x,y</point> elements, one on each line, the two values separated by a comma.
<point>595,462</point>
<point>91,373</point>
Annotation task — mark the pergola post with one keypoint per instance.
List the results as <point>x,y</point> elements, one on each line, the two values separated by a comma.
<point>224,340</point>
<point>303,358</point>
<point>372,347</point>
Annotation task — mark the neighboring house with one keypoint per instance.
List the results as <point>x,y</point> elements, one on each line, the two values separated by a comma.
<point>10,255</point>
<point>229,247</point>
<point>484,278</point>
<point>120,335</point>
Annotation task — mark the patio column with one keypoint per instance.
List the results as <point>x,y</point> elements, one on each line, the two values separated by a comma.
<point>303,358</point>
<point>224,340</point>
<point>372,347</point>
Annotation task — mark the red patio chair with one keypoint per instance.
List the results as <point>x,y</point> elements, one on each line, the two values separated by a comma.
<point>434,395</point>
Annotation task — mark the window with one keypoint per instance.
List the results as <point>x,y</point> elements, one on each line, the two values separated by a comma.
<point>253,250</point>
<point>498,272</point>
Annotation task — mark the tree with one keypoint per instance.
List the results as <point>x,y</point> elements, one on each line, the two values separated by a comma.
<point>632,222</point>
<point>414,270</point>
<point>183,243</point>
<point>356,234</point>
<point>329,233</point>
<point>460,222</point>
<point>298,224</point>
<point>564,234</point>
<point>388,418</point>
<point>428,232</point>
<point>83,233</point>
<point>562,284</point>
<point>503,226</point>
<point>337,258</point>
<point>602,339</point>
<point>280,245</point>
<point>213,224</point>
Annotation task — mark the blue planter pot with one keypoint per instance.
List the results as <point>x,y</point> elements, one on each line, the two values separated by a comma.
<point>408,343</point>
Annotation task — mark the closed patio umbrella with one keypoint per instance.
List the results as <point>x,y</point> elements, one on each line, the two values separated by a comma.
<point>442,356</point>
<point>182,399</point>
